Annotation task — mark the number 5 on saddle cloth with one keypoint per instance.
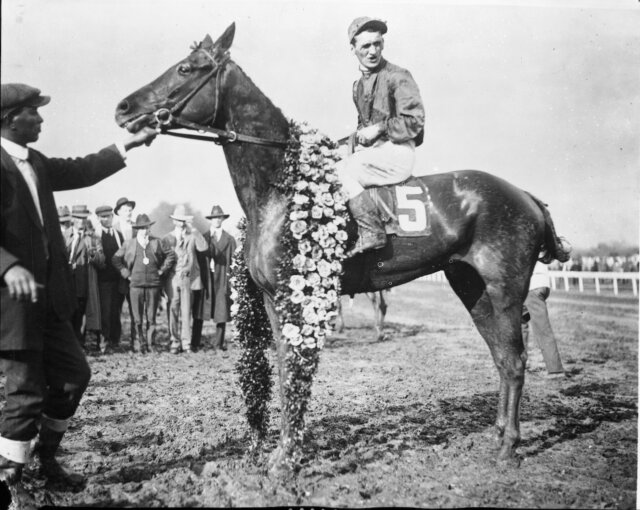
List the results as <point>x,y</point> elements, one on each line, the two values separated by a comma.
<point>404,208</point>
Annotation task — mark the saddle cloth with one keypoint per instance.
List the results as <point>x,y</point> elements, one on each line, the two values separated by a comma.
<point>405,208</point>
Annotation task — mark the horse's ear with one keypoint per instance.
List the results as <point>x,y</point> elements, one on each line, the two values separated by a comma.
<point>207,42</point>
<point>224,41</point>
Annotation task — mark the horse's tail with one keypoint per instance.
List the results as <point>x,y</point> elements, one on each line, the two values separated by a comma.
<point>553,247</point>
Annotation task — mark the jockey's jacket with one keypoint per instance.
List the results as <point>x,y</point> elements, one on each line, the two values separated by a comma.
<point>390,95</point>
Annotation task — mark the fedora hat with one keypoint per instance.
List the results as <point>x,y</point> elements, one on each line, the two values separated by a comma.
<point>17,95</point>
<point>103,210</point>
<point>216,212</point>
<point>142,221</point>
<point>80,211</point>
<point>63,213</point>
<point>180,214</point>
<point>122,201</point>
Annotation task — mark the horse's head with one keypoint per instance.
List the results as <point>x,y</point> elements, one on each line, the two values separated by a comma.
<point>186,90</point>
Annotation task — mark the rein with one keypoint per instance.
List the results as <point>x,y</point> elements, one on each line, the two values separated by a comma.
<point>168,119</point>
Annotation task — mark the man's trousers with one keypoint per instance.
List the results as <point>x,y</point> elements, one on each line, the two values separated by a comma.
<point>50,382</point>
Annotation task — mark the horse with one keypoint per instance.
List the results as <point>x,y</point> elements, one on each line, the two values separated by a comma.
<point>486,234</point>
<point>379,302</point>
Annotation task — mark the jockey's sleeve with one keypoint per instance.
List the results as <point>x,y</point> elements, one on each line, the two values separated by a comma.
<point>409,118</point>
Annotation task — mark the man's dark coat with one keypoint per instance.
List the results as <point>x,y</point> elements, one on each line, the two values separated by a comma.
<point>25,241</point>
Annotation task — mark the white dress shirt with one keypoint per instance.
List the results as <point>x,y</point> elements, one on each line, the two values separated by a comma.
<point>20,154</point>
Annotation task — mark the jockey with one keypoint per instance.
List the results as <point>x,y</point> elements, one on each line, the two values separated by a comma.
<point>390,127</point>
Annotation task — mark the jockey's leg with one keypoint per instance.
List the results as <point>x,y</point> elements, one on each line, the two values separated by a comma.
<point>371,232</point>
<point>384,164</point>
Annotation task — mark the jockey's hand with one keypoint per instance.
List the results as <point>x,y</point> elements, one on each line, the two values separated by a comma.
<point>366,136</point>
<point>21,284</point>
<point>145,136</point>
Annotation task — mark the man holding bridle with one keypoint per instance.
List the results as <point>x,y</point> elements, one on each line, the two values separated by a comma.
<point>390,126</point>
<point>46,370</point>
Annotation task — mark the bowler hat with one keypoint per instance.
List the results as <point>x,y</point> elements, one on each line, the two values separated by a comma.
<point>364,22</point>
<point>17,95</point>
<point>122,201</point>
<point>216,212</point>
<point>180,214</point>
<point>142,221</point>
<point>63,213</point>
<point>80,211</point>
<point>103,210</point>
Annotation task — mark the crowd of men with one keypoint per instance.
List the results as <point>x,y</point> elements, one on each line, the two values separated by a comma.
<point>120,261</point>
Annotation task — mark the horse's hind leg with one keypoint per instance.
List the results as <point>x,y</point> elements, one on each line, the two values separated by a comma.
<point>497,316</point>
<point>379,304</point>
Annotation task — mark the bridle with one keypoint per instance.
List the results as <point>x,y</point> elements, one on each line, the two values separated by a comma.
<point>168,118</point>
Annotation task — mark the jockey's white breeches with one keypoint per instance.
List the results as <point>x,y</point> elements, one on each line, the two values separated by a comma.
<point>382,164</point>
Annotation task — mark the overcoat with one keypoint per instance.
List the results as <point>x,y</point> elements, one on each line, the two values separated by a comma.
<point>38,247</point>
<point>218,304</point>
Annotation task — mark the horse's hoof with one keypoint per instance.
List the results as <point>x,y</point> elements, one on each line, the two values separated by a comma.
<point>508,456</point>
<point>383,337</point>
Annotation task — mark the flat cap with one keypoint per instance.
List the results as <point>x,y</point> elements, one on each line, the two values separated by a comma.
<point>63,213</point>
<point>103,209</point>
<point>17,95</point>
<point>364,22</point>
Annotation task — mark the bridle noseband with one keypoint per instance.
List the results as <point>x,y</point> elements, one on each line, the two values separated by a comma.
<point>169,118</point>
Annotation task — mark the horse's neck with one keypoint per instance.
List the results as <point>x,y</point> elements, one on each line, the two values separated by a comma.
<point>245,109</point>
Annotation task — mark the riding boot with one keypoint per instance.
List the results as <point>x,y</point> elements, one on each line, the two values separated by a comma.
<point>55,472</point>
<point>371,232</point>
<point>196,334</point>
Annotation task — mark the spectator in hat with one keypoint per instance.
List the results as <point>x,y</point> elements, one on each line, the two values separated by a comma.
<point>123,222</point>
<point>143,260</point>
<point>221,246</point>
<point>45,368</point>
<point>391,122</point>
<point>183,278</point>
<point>64,217</point>
<point>124,217</point>
<point>85,255</point>
<point>111,286</point>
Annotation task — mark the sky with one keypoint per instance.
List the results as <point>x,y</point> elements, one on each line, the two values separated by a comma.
<point>545,94</point>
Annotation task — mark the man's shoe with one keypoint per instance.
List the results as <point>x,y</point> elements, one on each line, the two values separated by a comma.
<point>10,471</point>
<point>57,474</point>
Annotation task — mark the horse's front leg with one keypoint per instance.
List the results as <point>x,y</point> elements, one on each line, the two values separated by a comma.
<point>296,368</point>
<point>283,458</point>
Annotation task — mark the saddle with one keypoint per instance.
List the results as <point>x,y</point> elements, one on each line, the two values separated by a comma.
<point>404,208</point>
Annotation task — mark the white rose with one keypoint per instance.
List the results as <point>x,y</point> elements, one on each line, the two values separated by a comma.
<point>316,212</point>
<point>290,330</point>
<point>295,341</point>
<point>324,268</point>
<point>297,297</point>
<point>297,282</point>
<point>300,199</point>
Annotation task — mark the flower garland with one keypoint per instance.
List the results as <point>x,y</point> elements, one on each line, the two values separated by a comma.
<point>313,248</point>
<point>314,238</point>
<point>253,335</point>
<point>308,282</point>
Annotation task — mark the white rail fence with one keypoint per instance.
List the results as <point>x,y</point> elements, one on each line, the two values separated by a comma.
<point>583,281</point>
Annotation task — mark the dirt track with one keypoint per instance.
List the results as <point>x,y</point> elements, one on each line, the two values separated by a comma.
<point>404,422</point>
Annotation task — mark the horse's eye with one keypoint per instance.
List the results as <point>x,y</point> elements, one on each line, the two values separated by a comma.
<point>184,68</point>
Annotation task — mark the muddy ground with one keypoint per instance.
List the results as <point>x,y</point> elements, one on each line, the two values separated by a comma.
<point>402,422</point>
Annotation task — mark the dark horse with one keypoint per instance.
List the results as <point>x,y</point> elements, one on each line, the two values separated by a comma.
<point>486,233</point>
